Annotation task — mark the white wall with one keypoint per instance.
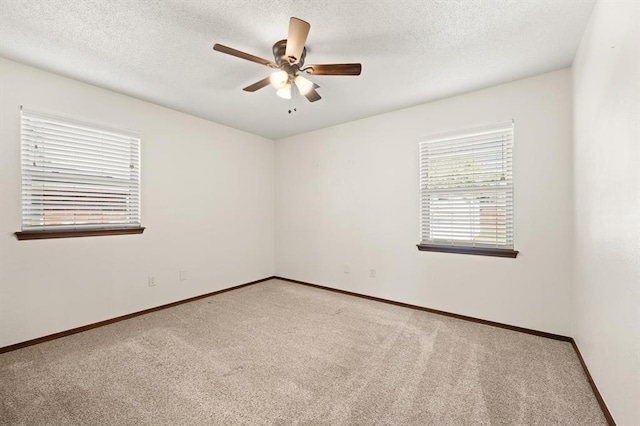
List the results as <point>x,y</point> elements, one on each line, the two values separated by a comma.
<point>349,195</point>
<point>207,203</point>
<point>606,75</point>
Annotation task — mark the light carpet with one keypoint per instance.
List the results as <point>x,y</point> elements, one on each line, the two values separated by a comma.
<point>277,353</point>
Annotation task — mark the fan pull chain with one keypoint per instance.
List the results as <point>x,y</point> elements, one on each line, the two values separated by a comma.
<point>294,94</point>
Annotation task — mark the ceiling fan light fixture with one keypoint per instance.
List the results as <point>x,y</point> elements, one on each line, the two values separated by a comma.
<point>288,64</point>
<point>284,92</point>
<point>279,79</point>
<point>304,85</point>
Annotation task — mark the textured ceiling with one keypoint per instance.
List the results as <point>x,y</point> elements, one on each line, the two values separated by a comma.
<point>412,51</point>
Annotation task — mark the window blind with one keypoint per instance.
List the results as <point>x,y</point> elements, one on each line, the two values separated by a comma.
<point>466,188</point>
<point>78,176</point>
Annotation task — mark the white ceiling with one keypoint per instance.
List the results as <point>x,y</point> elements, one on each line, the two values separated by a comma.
<point>412,51</point>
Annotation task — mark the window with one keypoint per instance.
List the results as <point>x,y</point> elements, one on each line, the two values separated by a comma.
<point>466,192</point>
<point>78,179</point>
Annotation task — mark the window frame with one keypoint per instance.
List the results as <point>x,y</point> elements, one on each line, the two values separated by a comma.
<point>75,164</point>
<point>470,245</point>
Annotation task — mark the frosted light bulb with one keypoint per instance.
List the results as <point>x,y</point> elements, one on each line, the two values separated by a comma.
<point>279,79</point>
<point>304,85</point>
<point>284,92</point>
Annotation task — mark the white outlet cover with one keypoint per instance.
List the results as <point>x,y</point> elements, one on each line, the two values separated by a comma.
<point>183,275</point>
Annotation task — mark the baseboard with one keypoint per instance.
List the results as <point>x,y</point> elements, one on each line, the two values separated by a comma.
<point>438,312</point>
<point>594,388</point>
<point>120,318</point>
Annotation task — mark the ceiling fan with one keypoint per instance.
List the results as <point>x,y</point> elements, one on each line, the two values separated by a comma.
<point>289,56</point>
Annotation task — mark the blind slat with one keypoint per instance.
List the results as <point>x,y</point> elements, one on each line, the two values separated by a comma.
<point>466,188</point>
<point>43,127</point>
<point>77,175</point>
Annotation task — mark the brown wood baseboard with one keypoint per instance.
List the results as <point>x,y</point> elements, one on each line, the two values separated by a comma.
<point>436,311</point>
<point>594,388</point>
<point>120,318</point>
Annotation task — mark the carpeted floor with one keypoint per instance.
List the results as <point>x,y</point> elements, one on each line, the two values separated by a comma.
<point>277,353</point>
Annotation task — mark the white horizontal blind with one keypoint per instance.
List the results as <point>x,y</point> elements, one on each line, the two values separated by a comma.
<point>466,185</point>
<point>78,175</point>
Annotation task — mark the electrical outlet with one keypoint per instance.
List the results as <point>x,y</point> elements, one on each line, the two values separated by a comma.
<point>372,273</point>
<point>345,269</point>
<point>152,281</point>
<point>183,275</point>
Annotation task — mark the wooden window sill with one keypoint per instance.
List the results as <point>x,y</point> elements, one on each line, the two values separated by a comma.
<point>469,250</point>
<point>41,235</point>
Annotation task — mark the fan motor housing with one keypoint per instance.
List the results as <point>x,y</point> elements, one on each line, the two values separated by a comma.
<point>279,55</point>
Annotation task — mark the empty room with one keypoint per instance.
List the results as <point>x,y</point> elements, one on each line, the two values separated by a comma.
<point>293,212</point>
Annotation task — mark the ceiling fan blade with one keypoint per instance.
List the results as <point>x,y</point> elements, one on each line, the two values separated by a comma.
<point>312,95</point>
<point>257,85</point>
<point>298,31</point>
<point>242,55</point>
<point>334,69</point>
